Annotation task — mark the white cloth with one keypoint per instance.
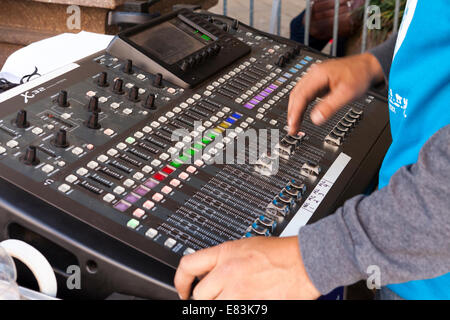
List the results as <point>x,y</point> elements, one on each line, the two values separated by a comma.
<point>52,53</point>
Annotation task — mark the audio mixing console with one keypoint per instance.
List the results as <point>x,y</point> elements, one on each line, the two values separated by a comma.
<point>90,169</point>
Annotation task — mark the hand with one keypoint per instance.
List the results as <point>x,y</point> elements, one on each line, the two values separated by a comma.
<point>254,268</point>
<point>345,79</point>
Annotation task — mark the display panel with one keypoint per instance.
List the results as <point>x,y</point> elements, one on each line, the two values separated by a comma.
<point>167,42</point>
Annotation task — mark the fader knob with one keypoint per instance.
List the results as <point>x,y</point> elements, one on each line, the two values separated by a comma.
<point>128,67</point>
<point>62,99</point>
<point>92,122</point>
<point>30,158</point>
<point>102,80</point>
<point>21,119</point>
<point>150,102</point>
<point>235,24</point>
<point>60,140</point>
<point>133,94</point>
<point>118,86</point>
<point>93,105</point>
<point>297,50</point>
<point>184,65</point>
<point>281,62</point>
<point>157,82</point>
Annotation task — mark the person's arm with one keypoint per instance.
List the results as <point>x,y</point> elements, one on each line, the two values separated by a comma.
<point>385,54</point>
<point>403,228</point>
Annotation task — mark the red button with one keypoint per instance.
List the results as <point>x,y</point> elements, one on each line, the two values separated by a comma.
<point>167,170</point>
<point>159,176</point>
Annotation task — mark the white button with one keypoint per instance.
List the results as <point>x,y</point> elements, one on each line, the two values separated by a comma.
<point>65,116</point>
<point>196,96</point>
<point>12,143</point>
<point>71,178</point>
<point>219,145</point>
<point>109,197</point>
<point>226,109</point>
<point>119,190</point>
<point>239,130</point>
<point>214,119</point>
<point>244,125</point>
<point>175,182</point>
<point>151,233</point>
<point>128,183</point>
<point>179,145</point>
<point>140,76</point>
<point>216,84</point>
<point>221,80</point>
<point>164,156</point>
<point>157,197</point>
<point>187,139</point>
<point>171,91</point>
<point>207,124</point>
<point>226,140</point>
<point>210,88</point>
<point>77,151</point>
<point>220,114</point>
<point>238,100</point>
<point>82,171</point>
<point>138,213</point>
<point>232,135</point>
<point>250,120</point>
<point>162,119</point>
<point>138,134</point>
<point>206,157</point>
<point>90,94</point>
<point>195,133</point>
<point>155,124</point>
<point>183,176</point>
<point>147,129</point>
<point>112,152</point>
<point>170,114</point>
<point>64,188</point>
<point>177,110</point>
<point>138,176</point>
<point>147,169</point>
<point>129,85</point>
<point>2,150</point>
<point>127,111</point>
<point>121,146</point>
<point>148,205</point>
<point>273,122</point>
<point>102,158</point>
<point>166,190</point>
<point>190,101</point>
<point>141,91</point>
<point>61,163</point>
<point>191,169</point>
<point>92,165</point>
<point>207,93</point>
<point>155,163</point>
<point>115,105</point>
<point>259,116</point>
<point>169,243</point>
<point>48,168</point>
<point>102,99</point>
<point>37,130</point>
<point>184,105</point>
<point>108,132</point>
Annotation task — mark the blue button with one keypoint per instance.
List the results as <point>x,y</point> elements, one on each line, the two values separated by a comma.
<point>230,120</point>
<point>236,116</point>
<point>248,235</point>
<point>303,62</point>
<point>293,70</point>
<point>299,66</point>
<point>308,58</point>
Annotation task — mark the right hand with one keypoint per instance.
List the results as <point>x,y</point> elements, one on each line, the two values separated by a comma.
<point>345,79</point>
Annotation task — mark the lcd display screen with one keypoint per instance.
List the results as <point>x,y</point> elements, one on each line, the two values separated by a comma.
<point>168,43</point>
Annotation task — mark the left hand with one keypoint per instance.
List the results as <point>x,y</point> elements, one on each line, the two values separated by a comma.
<point>254,268</point>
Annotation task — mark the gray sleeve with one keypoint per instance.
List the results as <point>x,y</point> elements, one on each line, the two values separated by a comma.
<point>385,54</point>
<point>403,228</point>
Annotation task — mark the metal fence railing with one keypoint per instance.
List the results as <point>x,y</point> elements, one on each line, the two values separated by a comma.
<point>275,20</point>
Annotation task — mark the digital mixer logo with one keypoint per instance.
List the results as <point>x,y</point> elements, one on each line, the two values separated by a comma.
<point>260,148</point>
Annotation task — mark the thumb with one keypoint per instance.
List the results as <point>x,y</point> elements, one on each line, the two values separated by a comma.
<point>331,103</point>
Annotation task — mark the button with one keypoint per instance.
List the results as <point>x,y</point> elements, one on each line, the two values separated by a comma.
<point>61,163</point>
<point>112,152</point>
<point>102,158</point>
<point>191,169</point>
<point>127,111</point>
<point>176,110</point>
<point>37,131</point>
<point>12,143</point>
<point>133,224</point>
<point>82,171</point>
<point>90,147</point>
<point>169,243</point>
<point>155,163</point>
<point>199,163</point>
<point>130,140</point>
<point>157,197</point>
<point>196,96</point>
<point>151,233</point>
<point>138,176</point>
<point>92,165</point>
<point>115,105</point>
<point>119,190</point>
<point>109,197</point>
<point>273,122</point>
<point>128,183</point>
<point>147,169</point>
<point>183,176</point>
<point>64,188</point>
<point>190,101</point>
<point>155,124</point>
<point>166,190</point>
<point>77,151</point>
<point>121,146</point>
<point>71,178</point>
<point>164,156</point>
<point>65,116</point>
<point>175,183</point>
<point>108,132</point>
<point>184,105</point>
<point>47,168</point>
<point>148,205</point>
<point>138,213</point>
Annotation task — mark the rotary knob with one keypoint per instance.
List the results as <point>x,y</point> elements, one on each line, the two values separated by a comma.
<point>62,99</point>
<point>60,140</point>
<point>92,122</point>
<point>30,157</point>
<point>21,120</point>
<point>93,105</point>
<point>118,86</point>
<point>133,94</point>
<point>157,82</point>
<point>150,102</point>
<point>102,80</point>
<point>128,67</point>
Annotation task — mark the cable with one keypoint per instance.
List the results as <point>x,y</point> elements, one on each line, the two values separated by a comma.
<point>6,85</point>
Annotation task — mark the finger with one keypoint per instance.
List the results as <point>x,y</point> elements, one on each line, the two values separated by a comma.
<point>327,5</point>
<point>330,104</point>
<point>210,286</point>
<point>193,265</point>
<point>304,92</point>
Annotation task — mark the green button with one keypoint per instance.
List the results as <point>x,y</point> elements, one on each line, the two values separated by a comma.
<point>175,164</point>
<point>183,158</point>
<point>206,141</point>
<point>133,223</point>
<point>192,152</point>
<point>130,140</point>
<point>212,136</point>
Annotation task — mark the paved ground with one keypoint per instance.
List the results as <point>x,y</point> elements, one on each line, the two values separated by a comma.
<point>240,10</point>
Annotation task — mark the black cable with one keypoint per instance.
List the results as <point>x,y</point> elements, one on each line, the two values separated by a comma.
<point>6,85</point>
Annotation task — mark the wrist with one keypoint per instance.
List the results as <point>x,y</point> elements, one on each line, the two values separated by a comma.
<point>374,67</point>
